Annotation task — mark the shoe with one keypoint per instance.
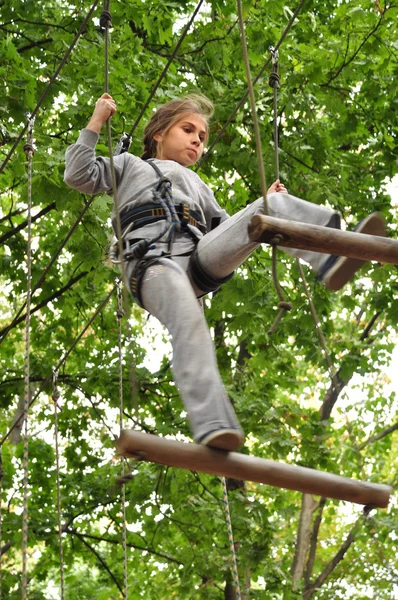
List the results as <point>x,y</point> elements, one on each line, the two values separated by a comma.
<point>338,270</point>
<point>224,439</point>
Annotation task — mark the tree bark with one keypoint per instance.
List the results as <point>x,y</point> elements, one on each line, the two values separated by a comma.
<point>308,506</point>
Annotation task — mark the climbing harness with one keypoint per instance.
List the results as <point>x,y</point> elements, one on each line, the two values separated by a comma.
<point>178,217</point>
<point>202,279</point>
<point>162,195</point>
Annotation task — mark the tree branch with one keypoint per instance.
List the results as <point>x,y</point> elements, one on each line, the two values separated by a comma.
<point>100,559</point>
<point>34,45</point>
<point>314,541</point>
<point>129,544</point>
<point>57,294</point>
<point>5,548</point>
<point>333,393</point>
<point>11,214</point>
<point>301,162</point>
<point>347,62</point>
<point>308,592</point>
<point>24,224</point>
<point>378,436</point>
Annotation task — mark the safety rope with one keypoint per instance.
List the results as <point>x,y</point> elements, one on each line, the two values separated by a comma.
<point>1,518</point>
<point>106,22</point>
<point>231,538</point>
<point>62,361</point>
<point>55,398</point>
<point>120,315</point>
<point>82,29</point>
<point>246,94</point>
<point>321,337</point>
<point>250,86</point>
<point>29,151</point>
<point>283,305</point>
<point>274,82</point>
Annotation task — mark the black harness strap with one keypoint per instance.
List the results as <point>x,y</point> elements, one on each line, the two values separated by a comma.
<point>138,217</point>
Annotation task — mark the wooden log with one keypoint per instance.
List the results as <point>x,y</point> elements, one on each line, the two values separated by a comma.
<point>323,239</point>
<point>240,466</point>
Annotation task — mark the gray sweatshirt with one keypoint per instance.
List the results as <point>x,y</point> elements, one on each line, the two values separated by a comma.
<point>135,178</point>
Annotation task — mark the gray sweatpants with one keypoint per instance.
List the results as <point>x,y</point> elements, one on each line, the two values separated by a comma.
<point>168,294</point>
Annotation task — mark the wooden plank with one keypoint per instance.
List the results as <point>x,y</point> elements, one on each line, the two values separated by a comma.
<point>240,466</point>
<point>324,239</point>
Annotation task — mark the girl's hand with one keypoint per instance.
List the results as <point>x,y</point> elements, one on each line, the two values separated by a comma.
<point>277,186</point>
<point>104,109</point>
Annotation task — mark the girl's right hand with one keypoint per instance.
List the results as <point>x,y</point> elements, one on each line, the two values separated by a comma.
<point>104,109</point>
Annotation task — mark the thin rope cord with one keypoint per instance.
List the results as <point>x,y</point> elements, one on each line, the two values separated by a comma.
<point>245,95</point>
<point>276,142</point>
<point>50,264</point>
<point>62,361</point>
<point>231,538</point>
<point>274,83</point>
<point>257,136</point>
<point>28,148</point>
<point>120,314</point>
<point>55,398</point>
<point>107,21</point>
<point>50,84</point>
<point>283,305</point>
<point>166,68</point>
<point>318,328</point>
<point>1,518</point>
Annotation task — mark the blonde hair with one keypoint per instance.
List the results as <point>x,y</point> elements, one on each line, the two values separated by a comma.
<point>171,112</point>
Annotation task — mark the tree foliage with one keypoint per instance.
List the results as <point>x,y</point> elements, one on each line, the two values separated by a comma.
<point>338,146</point>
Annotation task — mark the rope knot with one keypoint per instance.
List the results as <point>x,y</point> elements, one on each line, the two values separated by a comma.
<point>29,150</point>
<point>105,19</point>
<point>277,239</point>
<point>138,250</point>
<point>274,80</point>
<point>55,396</point>
<point>285,305</point>
<point>120,314</point>
<point>163,185</point>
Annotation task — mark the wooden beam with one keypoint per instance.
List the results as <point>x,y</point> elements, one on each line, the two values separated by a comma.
<point>324,239</point>
<point>240,466</point>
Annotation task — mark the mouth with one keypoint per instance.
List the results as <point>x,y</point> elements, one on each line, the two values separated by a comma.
<point>194,152</point>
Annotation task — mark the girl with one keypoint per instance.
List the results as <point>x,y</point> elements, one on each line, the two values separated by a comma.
<point>167,271</point>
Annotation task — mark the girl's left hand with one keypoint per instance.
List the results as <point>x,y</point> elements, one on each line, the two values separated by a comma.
<point>277,186</point>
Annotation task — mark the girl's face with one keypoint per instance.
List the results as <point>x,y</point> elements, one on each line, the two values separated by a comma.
<point>183,142</point>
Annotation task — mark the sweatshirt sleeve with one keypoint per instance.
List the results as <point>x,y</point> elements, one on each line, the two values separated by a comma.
<point>86,172</point>
<point>213,212</point>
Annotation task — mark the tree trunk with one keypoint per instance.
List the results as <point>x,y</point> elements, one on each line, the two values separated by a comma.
<point>308,506</point>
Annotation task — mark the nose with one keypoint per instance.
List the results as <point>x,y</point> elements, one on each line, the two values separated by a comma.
<point>196,139</point>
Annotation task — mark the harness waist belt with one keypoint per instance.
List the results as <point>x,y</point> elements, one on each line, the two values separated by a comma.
<point>150,213</point>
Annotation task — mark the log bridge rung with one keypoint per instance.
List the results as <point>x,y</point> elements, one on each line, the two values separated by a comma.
<point>249,468</point>
<point>294,234</point>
